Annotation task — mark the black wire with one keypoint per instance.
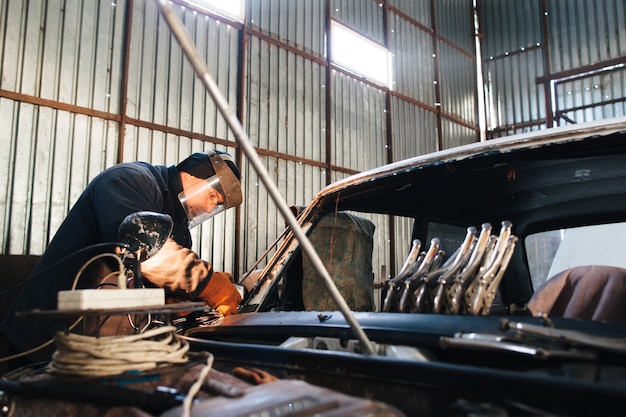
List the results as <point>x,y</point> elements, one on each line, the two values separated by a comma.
<point>62,260</point>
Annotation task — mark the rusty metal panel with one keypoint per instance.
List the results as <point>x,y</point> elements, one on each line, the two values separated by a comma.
<point>414,130</point>
<point>359,127</point>
<point>298,23</point>
<point>364,17</point>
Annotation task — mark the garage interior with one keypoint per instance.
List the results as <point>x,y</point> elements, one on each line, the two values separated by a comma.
<point>88,84</point>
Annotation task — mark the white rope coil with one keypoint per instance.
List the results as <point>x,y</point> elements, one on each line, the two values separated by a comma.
<point>113,355</point>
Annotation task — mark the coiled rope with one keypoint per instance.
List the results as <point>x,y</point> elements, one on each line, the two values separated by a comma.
<point>113,355</point>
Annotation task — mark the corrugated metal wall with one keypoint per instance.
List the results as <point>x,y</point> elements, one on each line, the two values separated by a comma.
<point>61,64</point>
<point>595,42</point>
<point>86,84</point>
<point>550,62</point>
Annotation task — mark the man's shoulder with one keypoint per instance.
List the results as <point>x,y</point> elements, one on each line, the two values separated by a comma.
<point>134,169</point>
<point>131,173</point>
<point>134,166</point>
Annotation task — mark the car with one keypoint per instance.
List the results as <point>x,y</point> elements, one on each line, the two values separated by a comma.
<point>462,272</point>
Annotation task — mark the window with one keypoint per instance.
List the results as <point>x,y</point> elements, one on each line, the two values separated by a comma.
<point>360,55</point>
<point>450,237</point>
<point>554,251</point>
<point>233,9</point>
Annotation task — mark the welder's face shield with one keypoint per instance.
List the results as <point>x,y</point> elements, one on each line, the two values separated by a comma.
<point>207,197</point>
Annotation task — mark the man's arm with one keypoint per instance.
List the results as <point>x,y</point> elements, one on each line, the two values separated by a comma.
<point>183,273</point>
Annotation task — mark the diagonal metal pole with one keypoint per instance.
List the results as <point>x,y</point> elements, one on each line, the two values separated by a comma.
<point>202,71</point>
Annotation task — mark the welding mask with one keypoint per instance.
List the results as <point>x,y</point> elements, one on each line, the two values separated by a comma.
<point>201,200</point>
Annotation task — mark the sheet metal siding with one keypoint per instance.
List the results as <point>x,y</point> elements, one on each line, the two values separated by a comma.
<point>418,72</point>
<point>418,10</point>
<point>298,23</point>
<point>285,101</point>
<point>415,130</point>
<point>457,66</point>
<point>262,223</point>
<point>458,84</point>
<point>413,66</point>
<point>68,53</point>
<point>285,113</point>
<point>359,129</point>
<point>579,33</point>
<point>577,99</point>
<point>455,134</point>
<point>163,88</point>
<point>512,94</point>
<point>455,23</point>
<point>365,17</point>
<point>585,32</point>
<point>414,120</point>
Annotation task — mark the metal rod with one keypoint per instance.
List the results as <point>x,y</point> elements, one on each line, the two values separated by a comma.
<point>202,71</point>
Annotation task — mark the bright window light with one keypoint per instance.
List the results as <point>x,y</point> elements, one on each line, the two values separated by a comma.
<point>233,9</point>
<point>358,54</point>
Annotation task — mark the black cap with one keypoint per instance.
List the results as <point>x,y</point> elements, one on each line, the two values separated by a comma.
<point>199,165</point>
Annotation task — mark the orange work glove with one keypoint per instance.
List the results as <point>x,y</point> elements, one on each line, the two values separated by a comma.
<point>220,293</point>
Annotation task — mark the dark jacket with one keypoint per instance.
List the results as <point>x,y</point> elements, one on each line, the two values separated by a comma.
<point>95,217</point>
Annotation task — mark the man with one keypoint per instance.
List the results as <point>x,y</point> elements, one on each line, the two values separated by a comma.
<point>196,189</point>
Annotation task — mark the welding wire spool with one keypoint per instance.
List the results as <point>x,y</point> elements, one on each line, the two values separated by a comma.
<point>114,355</point>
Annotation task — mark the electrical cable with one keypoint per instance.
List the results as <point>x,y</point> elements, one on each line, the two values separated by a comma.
<point>121,279</point>
<point>195,388</point>
<point>60,261</point>
<point>73,287</point>
<point>114,355</point>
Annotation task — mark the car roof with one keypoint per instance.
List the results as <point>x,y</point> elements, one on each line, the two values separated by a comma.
<point>541,180</point>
